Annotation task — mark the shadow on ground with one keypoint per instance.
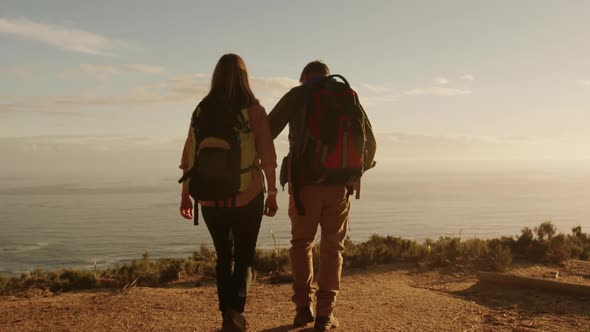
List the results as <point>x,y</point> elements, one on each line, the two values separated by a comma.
<point>526,301</point>
<point>286,328</point>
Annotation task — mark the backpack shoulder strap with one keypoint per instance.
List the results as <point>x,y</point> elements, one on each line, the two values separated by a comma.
<point>195,115</point>
<point>244,121</point>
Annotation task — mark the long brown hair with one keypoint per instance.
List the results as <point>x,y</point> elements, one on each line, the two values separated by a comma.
<point>230,82</point>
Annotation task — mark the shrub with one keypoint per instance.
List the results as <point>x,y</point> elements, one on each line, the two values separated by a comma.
<point>67,280</point>
<point>205,254</point>
<point>170,269</point>
<point>381,250</point>
<point>545,231</point>
<point>497,257</point>
<point>581,243</point>
<point>542,244</point>
<point>207,269</point>
<point>545,246</point>
<point>271,261</point>
<point>444,251</point>
<point>473,250</point>
<point>143,270</point>
<point>522,245</point>
<point>4,284</point>
<point>559,249</point>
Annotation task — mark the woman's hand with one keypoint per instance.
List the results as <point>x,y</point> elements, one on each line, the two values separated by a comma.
<point>186,206</point>
<point>271,206</point>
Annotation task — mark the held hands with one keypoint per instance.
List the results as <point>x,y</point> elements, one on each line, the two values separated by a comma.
<point>271,206</point>
<point>186,207</point>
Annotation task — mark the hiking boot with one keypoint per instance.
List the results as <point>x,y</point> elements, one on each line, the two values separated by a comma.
<point>303,316</point>
<point>325,323</point>
<point>233,321</point>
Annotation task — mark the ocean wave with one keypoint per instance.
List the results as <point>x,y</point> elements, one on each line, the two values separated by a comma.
<point>22,247</point>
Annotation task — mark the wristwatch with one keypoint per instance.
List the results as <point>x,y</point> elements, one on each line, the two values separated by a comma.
<point>272,192</point>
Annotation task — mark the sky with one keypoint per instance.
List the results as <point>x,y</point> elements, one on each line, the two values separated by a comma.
<point>439,79</point>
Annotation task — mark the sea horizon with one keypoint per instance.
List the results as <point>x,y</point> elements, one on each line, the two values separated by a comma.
<point>83,219</point>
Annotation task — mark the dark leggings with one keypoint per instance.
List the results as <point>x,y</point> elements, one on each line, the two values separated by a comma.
<point>234,232</point>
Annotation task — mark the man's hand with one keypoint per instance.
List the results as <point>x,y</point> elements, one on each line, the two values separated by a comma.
<point>271,206</point>
<point>186,207</point>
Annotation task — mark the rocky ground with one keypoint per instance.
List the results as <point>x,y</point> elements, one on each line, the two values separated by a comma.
<point>383,298</point>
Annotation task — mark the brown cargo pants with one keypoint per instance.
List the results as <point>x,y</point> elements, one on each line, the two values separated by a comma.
<point>328,207</point>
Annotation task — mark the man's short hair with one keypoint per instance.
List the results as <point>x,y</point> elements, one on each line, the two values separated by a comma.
<point>315,67</point>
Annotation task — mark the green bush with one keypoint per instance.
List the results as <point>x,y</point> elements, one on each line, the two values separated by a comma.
<point>381,250</point>
<point>581,243</point>
<point>496,257</point>
<point>149,272</point>
<point>170,269</point>
<point>542,244</point>
<point>545,231</point>
<point>143,270</point>
<point>67,280</point>
<point>445,251</point>
<point>4,284</point>
<point>205,254</point>
<point>275,261</point>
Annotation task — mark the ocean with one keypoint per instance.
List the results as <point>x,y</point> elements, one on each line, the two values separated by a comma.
<point>73,220</point>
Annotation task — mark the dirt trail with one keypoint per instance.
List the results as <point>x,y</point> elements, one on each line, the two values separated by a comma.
<point>386,298</point>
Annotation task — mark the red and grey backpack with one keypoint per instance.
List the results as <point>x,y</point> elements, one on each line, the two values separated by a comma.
<point>331,143</point>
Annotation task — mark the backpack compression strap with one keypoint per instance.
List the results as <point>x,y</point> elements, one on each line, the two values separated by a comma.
<point>340,77</point>
<point>186,175</point>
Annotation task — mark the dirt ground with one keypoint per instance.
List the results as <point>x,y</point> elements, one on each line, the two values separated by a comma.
<point>384,298</point>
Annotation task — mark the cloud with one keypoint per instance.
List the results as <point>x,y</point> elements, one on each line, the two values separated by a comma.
<point>24,71</point>
<point>111,152</point>
<point>74,105</point>
<point>168,92</point>
<point>137,96</point>
<point>437,91</point>
<point>378,98</point>
<point>173,89</point>
<point>386,98</point>
<point>6,104</point>
<point>100,72</point>
<point>406,146</point>
<point>37,104</point>
<point>267,89</point>
<point>387,93</point>
<point>104,72</point>
<point>96,69</point>
<point>188,84</point>
<point>147,69</point>
<point>584,82</point>
<point>371,88</point>
<point>376,94</point>
<point>67,38</point>
<point>80,154</point>
<point>6,108</point>
<point>467,77</point>
<point>275,84</point>
<point>440,80</point>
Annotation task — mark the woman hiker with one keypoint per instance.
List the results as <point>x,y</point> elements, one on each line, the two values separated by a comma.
<point>231,139</point>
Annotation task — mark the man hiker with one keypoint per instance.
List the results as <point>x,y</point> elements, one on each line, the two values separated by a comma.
<point>331,144</point>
